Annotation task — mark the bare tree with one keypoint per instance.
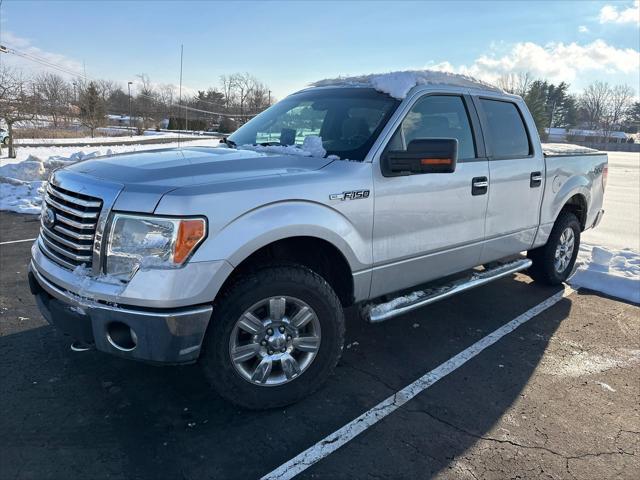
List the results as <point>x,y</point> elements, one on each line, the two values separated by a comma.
<point>593,103</point>
<point>258,98</point>
<point>164,97</point>
<point>146,102</point>
<point>516,83</point>
<point>619,104</point>
<point>228,90</point>
<point>244,85</point>
<point>18,101</point>
<point>55,95</point>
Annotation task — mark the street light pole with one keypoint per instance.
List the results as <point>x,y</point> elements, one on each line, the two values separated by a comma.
<point>129,87</point>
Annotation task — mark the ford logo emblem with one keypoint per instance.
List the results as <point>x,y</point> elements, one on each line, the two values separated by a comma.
<point>48,217</point>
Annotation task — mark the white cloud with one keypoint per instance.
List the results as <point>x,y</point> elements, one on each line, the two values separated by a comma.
<point>554,61</point>
<point>24,45</point>
<point>583,29</point>
<point>613,14</point>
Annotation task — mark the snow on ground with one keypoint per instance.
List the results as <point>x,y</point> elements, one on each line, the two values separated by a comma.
<point>610,271</point>
<point>22,179</point>
<point>565,149</point>
<point>398,84</point>
<point>101,139</point>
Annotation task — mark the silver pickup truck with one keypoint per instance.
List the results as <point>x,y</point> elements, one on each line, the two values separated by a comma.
<point>243,256</point>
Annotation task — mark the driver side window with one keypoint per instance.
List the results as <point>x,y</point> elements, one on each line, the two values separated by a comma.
<point>436,116</point>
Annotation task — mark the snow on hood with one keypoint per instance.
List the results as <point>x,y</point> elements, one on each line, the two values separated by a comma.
<point>311,147</point>
<point>398,84</point>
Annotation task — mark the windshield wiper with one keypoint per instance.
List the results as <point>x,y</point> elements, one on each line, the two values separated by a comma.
<point>230,143</point>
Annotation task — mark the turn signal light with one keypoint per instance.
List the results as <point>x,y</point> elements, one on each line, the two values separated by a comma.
<point>436,161</point>
<point>190,234</point>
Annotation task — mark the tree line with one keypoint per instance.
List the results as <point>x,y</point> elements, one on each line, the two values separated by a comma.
<point>59,102</point>
<point>601,107</point>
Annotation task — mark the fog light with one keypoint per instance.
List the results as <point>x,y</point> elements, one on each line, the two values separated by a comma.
<point>121,336</point>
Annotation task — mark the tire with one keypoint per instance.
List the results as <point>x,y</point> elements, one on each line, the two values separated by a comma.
<point>552,270</point>
<point>5,141</point>
<point>301,288</point>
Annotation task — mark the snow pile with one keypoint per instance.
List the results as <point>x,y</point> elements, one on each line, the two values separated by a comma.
<point>612,272</point>
<point>398,84</point>
<point>22,184</point>
<point>565,149</point>
<point>311,147</point>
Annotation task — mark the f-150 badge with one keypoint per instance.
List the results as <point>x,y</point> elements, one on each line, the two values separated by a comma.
<point>352,195</point>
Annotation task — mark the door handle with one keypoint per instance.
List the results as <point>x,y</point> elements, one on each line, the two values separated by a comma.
<point>535,179</point>
<point>479,185</point>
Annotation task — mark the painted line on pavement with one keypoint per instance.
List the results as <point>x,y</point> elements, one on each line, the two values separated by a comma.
<point>18,241</point>
<point>340,437</point>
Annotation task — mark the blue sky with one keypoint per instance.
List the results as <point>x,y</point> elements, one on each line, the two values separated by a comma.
<point>289,44</point>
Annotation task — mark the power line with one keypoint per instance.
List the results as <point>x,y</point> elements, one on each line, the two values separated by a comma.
<point>68,71</point>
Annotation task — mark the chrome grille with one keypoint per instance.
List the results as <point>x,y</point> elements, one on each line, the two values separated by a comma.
<point>67,236</point>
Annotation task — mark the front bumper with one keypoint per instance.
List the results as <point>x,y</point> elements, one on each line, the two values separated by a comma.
<point>159,335</point>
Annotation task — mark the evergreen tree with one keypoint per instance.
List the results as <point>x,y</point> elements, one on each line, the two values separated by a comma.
<point>536,100</point>
<point>92,111</point>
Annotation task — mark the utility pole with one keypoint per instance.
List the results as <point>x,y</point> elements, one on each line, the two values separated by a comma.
<point>269,98</point>
<point>130,130</point>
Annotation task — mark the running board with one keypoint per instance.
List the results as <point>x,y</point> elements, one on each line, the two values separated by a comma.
<point>398,306</point>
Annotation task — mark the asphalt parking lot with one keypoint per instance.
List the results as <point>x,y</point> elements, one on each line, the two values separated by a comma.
<point>559,397</point>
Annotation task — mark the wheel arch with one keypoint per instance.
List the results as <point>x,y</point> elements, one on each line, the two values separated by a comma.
<point>315,253</point>
<point>576,204</point>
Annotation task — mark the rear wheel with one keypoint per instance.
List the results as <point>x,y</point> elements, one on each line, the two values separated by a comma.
<point>275,337</point>
<point>554,262</point>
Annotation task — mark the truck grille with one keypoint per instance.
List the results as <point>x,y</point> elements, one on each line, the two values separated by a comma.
<point>68,226</point>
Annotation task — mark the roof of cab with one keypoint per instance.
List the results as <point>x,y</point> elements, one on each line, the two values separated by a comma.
<point>399,84</point>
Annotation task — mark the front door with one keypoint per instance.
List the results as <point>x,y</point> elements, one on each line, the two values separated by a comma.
<point>430,225</point>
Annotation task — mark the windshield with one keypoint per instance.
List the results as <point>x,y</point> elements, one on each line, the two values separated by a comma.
<point>348,120</point>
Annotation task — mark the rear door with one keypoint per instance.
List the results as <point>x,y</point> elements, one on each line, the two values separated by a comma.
<point>430,225</point>
<point>516,177</point>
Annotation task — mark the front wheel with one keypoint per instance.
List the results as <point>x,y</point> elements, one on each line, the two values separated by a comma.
<point>275,336</point>
<point>553,262</point>
<point>5,141</point>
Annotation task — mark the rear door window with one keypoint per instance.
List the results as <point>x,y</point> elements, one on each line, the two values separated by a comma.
<point>506,132</point>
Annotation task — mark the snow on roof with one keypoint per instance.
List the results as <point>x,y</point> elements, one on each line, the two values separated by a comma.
<point>398,84</point>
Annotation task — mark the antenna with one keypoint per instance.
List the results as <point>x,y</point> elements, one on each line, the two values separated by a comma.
<point>180,88</point>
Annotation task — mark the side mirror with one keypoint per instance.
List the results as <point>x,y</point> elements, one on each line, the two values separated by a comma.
<point>423,155</point>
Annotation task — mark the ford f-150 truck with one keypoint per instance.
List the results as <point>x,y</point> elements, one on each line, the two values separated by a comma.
<point>243,256</point>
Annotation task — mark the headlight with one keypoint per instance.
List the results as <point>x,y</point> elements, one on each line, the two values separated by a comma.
<point>136,241</point>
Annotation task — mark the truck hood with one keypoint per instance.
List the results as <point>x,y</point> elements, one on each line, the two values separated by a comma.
<point>147,176</point>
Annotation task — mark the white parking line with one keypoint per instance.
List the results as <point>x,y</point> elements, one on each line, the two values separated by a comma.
<point>354,428</point>
<point>18,241</point>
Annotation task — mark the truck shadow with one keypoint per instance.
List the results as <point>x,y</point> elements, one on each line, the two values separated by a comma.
<point>92,415</point>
